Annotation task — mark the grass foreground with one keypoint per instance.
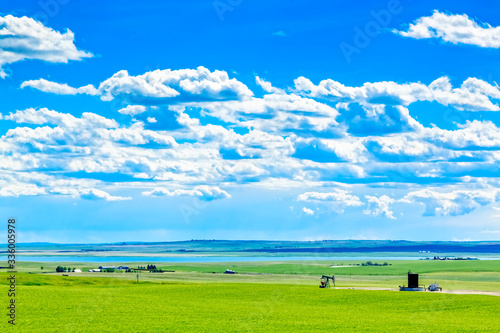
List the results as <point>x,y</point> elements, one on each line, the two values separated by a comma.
<point>52,303</point>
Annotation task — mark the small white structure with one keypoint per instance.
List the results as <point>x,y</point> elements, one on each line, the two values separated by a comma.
<point>434,287</point>
<point>94,270</point>
<point>77,270</point>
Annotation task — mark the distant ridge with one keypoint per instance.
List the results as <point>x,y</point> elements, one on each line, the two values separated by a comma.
<point>376,241</point>
<point>266,246</point>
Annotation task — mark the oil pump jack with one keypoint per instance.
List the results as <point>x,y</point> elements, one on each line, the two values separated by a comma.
<point>325,281</point>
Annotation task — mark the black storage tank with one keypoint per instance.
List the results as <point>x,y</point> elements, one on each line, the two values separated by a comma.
<point>412,280</point>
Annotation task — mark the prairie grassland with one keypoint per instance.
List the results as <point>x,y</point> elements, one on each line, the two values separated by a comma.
<point>452,275</point>
<point>53,303</point>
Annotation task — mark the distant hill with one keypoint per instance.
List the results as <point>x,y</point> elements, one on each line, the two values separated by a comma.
<point>259,246</point>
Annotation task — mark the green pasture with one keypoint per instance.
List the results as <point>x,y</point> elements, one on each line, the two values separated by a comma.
<point>472,275</point>
<point>394,267</point>
<point>53,303</point>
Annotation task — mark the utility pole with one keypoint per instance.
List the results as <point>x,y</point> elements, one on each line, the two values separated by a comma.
<point>137,278</point>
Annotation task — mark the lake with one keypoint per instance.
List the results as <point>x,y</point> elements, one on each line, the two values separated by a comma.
<point>183,259</point>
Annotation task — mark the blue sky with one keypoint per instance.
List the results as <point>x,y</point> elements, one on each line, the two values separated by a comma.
<point>150,121</point>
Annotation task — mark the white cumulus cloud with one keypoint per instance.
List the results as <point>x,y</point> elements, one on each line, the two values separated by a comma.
<point>472,95</point>
<point>94,194</point>
<point>59,88</point>
<point>203,192</point>
<point>161,86</point>
<point>157,87</point>
<point>458,202</point>
<point>336,200</point>
<point>380,206</point>
<point>46,116</point>
<point>16,190</point>
<point>23,38</point>
<point>453,28</point>
<point>308,211</point>
<point>133,110</point>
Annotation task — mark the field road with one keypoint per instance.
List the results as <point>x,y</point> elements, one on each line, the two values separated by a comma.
<point>463,292</point>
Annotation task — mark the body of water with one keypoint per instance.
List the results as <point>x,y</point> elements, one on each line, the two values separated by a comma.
<point>195,259</point>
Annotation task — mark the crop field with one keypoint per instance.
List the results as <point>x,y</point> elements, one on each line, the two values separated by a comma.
<point>50,303</point>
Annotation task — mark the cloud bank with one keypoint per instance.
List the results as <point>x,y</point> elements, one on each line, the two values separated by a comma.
<point>191,132</point>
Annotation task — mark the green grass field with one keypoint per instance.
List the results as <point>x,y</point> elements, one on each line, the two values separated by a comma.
<point>283,297</point>
<point>476,275</point>
<point>80,304</point>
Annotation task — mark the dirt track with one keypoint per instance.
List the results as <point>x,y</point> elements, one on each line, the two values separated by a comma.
<point>462,292</point>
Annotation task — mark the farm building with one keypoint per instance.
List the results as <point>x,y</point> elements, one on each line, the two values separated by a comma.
<point>123,267</point>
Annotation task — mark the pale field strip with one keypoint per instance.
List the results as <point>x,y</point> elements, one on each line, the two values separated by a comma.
<point>456,291</point>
